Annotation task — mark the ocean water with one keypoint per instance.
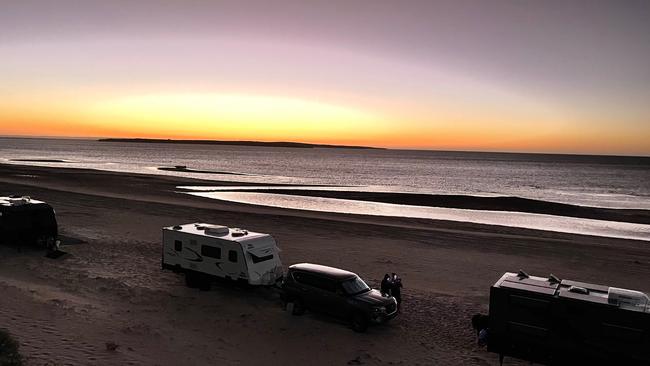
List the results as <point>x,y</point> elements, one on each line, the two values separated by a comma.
<point>617,182</point>
<point>601,181</point>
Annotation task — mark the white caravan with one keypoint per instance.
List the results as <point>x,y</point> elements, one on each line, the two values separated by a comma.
<point>205,251</point>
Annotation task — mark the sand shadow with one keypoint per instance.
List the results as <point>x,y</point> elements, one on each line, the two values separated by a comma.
<point>10,249</point>
<point>272,295</point>
<point>69,240</point>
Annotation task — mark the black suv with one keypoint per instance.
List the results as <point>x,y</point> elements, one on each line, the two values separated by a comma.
<point>336,292</point>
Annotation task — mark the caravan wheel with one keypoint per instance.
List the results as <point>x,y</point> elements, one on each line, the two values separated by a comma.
<point>191,280</point>
<point>204,283</point>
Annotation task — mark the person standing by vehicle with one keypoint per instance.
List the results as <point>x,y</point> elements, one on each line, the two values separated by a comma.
<point>396,288</point>
<point>386,285</point>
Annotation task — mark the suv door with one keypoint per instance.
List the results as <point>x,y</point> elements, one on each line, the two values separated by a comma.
<point>340,302</point>
<point>319,291</point>
<point>328,299</point>
<point>305,290</point>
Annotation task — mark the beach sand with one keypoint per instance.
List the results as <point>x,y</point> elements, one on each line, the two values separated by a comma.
<point>110,288</point>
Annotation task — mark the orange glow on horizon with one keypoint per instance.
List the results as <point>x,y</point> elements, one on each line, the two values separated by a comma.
<point>271,118</point>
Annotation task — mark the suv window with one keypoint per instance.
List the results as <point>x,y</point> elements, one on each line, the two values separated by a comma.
<point>355,286</point>
<point>315,281</point>
<point>212,252</point>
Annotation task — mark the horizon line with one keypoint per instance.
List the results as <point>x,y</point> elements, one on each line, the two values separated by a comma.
<point>97,138</point>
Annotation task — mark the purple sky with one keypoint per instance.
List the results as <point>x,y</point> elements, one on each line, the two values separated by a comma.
<point>570,65</point>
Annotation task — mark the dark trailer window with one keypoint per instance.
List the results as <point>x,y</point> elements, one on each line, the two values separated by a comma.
<point>212,252</point>
<point>232,256</point>
<point>264,258</point>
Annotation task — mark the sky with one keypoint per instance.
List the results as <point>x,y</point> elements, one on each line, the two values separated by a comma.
<point>534,76</point>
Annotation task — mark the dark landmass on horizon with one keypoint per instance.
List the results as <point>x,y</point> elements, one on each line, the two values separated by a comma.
<point>301,145</point>
<point>569,155</point>
<point>467,202</point>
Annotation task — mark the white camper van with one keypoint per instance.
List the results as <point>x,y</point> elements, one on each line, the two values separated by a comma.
<point>205,251</point>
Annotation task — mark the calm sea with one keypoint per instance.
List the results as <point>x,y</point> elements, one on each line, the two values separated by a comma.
<point>605,181</point>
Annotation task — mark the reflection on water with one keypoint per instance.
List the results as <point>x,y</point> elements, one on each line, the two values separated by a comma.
<point>513,219</point>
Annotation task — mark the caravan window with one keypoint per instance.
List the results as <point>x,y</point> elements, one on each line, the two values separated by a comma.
<point>212,252</point>
<point>257,259</point>
<point>232,256</point>
<point>178,245</point>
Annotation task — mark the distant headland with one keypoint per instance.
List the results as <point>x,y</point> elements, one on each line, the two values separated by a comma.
<point>238,143</point>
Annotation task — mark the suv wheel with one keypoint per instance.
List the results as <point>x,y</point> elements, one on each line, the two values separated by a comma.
<point>298,307</point>
<point>359,322</point>
<point>41,241</point>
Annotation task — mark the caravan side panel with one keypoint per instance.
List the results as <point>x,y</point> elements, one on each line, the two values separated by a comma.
<point>205,254</point>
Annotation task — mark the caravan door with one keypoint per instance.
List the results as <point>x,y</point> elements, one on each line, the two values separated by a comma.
<point>233,262</point>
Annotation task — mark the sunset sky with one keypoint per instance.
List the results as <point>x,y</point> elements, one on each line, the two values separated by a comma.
<point>541,76</point>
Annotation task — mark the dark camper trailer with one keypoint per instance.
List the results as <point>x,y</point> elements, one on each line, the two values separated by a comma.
<point>562,322</point>
<point>24,221</point>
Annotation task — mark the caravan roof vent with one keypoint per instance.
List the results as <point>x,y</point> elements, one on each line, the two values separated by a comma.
<point>177,227</point>
<point>238,232</point>
<point>17,201</point>
<point>628,299</point>
<point>579,290</point>
<point>214,230</point>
